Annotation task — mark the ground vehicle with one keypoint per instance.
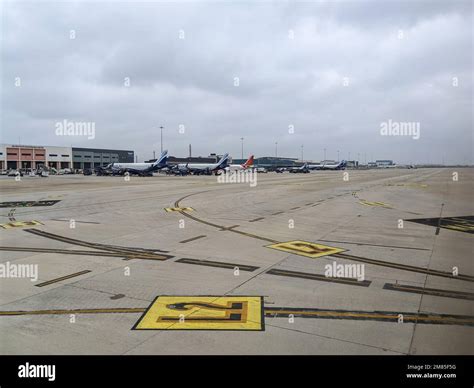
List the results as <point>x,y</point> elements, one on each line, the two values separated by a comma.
<point>261,170</point>
<point>15,173</point>
<point>300,171</point>
<point>42,171</point>
<point>175,170</point>
<point>65,171</point>
<point>87,171</point>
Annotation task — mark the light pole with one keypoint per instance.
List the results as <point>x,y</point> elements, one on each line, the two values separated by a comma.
<point>302,148</point>
<point>161,138</point>
<point>276,149</point>
<point>338,155</point>
<point>325,154</point>
<point>242,140</point>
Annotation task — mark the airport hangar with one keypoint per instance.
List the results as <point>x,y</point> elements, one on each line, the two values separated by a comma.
<point>28,156</point>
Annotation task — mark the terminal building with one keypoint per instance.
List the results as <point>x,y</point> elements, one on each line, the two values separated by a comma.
<point>15,156</point>
<point>98,157</point>
<point>273,162</point>
<point>384,163</point>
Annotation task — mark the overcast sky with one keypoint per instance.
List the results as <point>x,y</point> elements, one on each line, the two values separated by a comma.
<point>335,71</point>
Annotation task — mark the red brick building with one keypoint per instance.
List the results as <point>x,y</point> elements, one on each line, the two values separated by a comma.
<point>24,157</point>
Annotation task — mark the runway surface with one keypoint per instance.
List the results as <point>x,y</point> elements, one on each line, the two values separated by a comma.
<point>187,265</point>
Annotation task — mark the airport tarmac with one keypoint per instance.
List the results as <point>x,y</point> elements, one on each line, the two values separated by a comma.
<point>187,265</point>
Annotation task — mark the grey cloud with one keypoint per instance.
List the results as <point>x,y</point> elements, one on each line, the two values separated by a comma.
<point>283,81</point>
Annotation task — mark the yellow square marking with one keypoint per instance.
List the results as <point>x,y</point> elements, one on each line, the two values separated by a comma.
<point>305,248</point>
<point>178,209</point>
<point>20,224</point>
<point>203,313</point>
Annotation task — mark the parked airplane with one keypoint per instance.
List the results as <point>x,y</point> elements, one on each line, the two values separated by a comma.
<point>328,166</point>
<point>139,168</point>
<point>397,166</point>
<point>300,170</point>
<point>238,167</point>
<point>203,168</point>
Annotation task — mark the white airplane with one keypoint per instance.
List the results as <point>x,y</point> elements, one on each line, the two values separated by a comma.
<point>139,168</point>
<point>328,166</point>
<point>203,168</point>
<point>239,167</point>
<point>304,169</point>
<point>398,166</point>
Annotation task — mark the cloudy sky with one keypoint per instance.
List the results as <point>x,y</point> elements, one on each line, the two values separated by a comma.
<point>325,75</point>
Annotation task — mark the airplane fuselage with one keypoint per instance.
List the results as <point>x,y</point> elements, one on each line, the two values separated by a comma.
<point>132,166</point>
<point>199,166</point>
<point>338,166</point>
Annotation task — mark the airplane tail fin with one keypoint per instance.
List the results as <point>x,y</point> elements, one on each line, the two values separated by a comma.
<point>161,161</point>
<point>249,162</point>
<point>223,161</point>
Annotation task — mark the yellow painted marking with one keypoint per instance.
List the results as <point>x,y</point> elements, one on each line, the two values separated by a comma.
<point>20,224</point>
<point>415,185</point>
<point>203,313</point>
<point>304,248</point>
<point>374,315</point>
<point>269,311</point>
<point>75,311</point>
<point>379,204</point>
<point>179,209</point>
<point>47,283</point>
<point>457,224</point>
<point>461,228</point>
